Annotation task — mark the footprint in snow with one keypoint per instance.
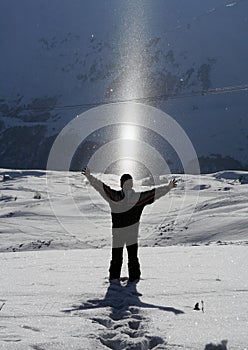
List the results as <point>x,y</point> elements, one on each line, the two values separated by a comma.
<point>126,326</point>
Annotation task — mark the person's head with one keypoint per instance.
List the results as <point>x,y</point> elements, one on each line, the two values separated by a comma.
<point>126,182</point>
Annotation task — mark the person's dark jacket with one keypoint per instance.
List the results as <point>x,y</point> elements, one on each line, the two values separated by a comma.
<point>126,207</point>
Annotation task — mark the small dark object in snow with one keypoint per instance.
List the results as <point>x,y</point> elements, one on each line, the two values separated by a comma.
<point>6,177</point>
<point>2,306</point>
<point>37,195</point>
<point>197,307</point>
<point>221,346</point>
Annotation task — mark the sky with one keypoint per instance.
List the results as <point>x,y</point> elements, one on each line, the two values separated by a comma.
<point>83,52</point>
<point>24,24</point>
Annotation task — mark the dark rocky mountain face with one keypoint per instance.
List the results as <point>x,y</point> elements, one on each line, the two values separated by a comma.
<point>60,58</point>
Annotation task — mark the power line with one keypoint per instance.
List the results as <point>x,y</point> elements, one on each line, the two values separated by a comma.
<point>162,97</point>
<point>214,91</point>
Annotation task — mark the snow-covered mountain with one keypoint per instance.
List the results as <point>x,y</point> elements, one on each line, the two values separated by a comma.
<point>59,210</point>
<point>60,58</point>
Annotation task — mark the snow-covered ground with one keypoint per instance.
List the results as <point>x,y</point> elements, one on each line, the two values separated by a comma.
<point>54,295</point>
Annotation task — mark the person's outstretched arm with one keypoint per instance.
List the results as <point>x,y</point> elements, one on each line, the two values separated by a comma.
<point>163,190</point>
<point>99,186</point>
<point>148,197</point>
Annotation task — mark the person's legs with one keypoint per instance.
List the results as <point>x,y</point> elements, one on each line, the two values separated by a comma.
<point>133,262</point>
<point>116,263</point>
<point>117,253</point>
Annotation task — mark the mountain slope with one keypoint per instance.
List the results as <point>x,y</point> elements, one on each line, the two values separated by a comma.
<point>54,210</point>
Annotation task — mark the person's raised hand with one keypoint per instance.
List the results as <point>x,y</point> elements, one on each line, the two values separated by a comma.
<point>173,184</point>
<point>86,171</point>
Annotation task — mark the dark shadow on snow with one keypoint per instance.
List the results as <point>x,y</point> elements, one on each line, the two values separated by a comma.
<point>122,299</point>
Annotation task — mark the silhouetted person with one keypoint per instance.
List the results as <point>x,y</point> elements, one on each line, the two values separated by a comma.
<point>126,208</point>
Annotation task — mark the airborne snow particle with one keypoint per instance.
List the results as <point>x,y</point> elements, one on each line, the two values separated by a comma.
<point>231,4</point>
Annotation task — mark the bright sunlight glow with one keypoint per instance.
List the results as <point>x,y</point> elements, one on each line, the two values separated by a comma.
<point>129,132</point>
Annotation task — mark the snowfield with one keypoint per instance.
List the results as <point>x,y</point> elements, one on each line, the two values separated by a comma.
<point>54,292</point>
